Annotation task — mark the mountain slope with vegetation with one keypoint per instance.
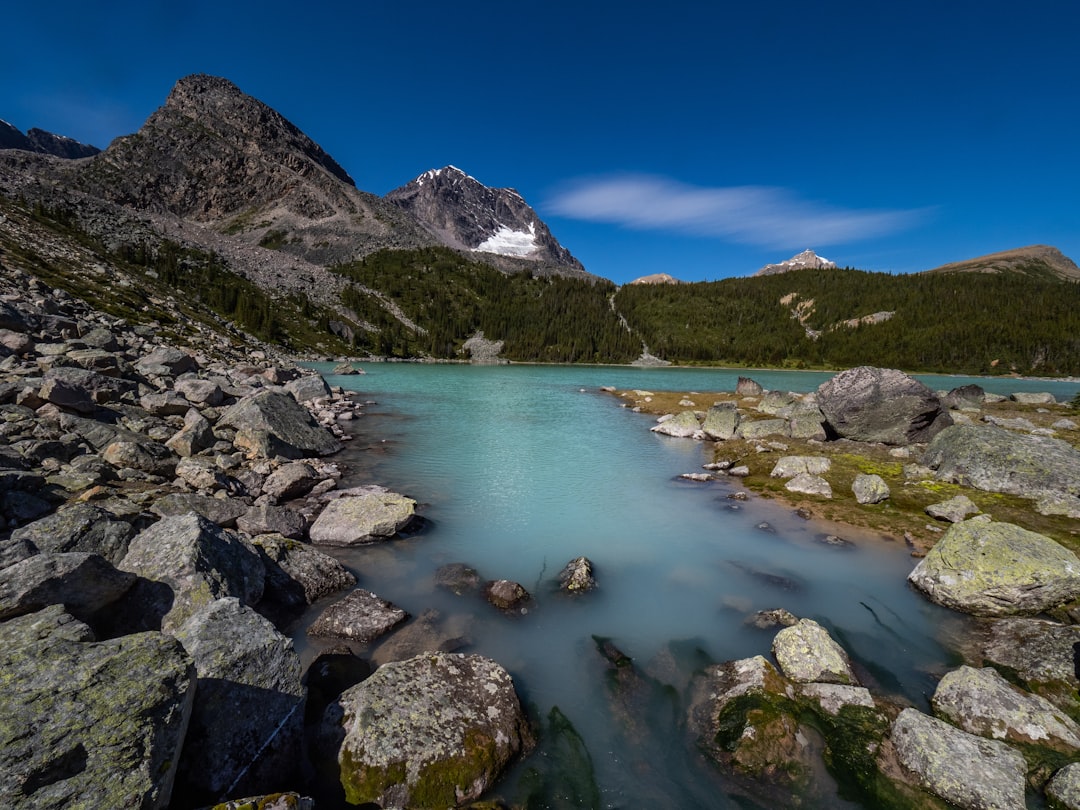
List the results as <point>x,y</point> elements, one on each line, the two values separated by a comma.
<point>1037,261</point>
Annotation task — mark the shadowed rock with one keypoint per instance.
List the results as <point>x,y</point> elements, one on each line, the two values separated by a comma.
<point>869,404</point>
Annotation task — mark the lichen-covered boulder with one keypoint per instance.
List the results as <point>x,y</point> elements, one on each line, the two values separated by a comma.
<point>360,616</point>
<point>884,405</point>
<point>761,428</point>
<point>994,459</point>
<point>362,516</point>
<point>80,527</point>
<point>248,716</point>
<point>971,772</point>
<point>982,702</point>
<point>1038,654</point>
<point>806,484</point>
<point>85,583</point>
<point>222,511</point>
<point>89,724</point>
<point>189,562</point>
<point>721,421</point>
<point>997,569</point>
<point>954,510</point>
<point>1063,790</point>
<point>684,425</point>
<point>269,423</point>
<point>807,653</point>
<point>790,466</point>
<point>434,731</point>
<point>869,489</point>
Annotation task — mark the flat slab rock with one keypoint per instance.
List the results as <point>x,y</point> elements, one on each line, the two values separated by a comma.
<point>360,517</point>
<point>360,616</point>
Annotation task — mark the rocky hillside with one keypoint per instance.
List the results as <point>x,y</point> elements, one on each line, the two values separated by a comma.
<point>800,261</point>
<point>1040,261</point>
<point>46,143</point>
<point>462,213</point>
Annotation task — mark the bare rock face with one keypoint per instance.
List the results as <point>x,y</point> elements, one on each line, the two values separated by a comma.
<point>432,731</point>
<point>869,404</point>
<point>462,213</point>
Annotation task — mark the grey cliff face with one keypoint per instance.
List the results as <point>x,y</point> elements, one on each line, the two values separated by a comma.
<point>463,213</point>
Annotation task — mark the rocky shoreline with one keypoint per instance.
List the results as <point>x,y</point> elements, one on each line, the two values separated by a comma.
<point>168,510</point>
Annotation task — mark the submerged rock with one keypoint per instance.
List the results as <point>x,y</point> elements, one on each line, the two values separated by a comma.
<point>577,576</point>
<point>459,578</point>
<point>969,771</point>
<point>507,595</point>
<point>433,731</point>
<point>997,569</point>
<point>360,616</point>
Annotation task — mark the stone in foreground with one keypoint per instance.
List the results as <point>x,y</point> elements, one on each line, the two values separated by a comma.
<point>363,517</point>
<point>968,771</point>
<point>89,724</point>
<point>807,653</point>
<point>433,731</point>
<point>997,569</point>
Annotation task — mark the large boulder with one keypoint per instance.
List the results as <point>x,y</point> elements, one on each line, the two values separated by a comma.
<point>362,516</point>
<point>247,722</point>
<point>970,772</point>
<point>85,583</point>
<point>982,702</point>
<point>807,653</point>
<point>721,421</point>
<point>188,562</point>
<point>997,569</point>
<point>433,731</point>
<point>269,423</point>
<point>80,527</point>
<point>89,724</point>
<point>998,460</point>
<point>869,404</point>
<point>297,573</point>
<point>684,425</point>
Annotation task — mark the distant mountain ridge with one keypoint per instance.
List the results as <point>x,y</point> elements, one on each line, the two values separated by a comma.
<point>1035,260</point>
<point>44,143</point>
<point>462,213</point>
<point>800,261</point>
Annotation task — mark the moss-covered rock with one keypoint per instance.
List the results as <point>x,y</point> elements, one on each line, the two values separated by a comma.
<point>434,731</point>
<point>807,653</point>
<point>89,724</point>
<point>997,569</point>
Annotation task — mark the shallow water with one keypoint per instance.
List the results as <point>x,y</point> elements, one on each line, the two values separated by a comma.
<point>519,469</point>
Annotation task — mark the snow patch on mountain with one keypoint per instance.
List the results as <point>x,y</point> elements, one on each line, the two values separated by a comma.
<point>800,261</point>
<point>508,242</point>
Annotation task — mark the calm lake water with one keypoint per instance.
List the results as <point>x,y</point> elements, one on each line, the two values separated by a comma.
<point>521,468</point>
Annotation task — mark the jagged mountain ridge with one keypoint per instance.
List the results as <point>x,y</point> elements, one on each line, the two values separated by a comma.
<point>1036,260</point>
<point>462,213</point>
<point>800,261</point>
<point>44,143</point>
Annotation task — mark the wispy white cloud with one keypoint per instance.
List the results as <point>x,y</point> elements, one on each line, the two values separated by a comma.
<point>757,215</point>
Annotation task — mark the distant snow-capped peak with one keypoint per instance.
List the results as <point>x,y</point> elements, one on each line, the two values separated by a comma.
<point>800,261</point>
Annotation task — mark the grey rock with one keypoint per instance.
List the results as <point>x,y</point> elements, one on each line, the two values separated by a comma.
<point>307,388</point>
<point>762,428</point>
<point>1041,398</point>
<point>790,466</point>
<point>360,517</point>
<point>746,387</point>
<point>85,724</point>
<point>197,562</point>
<point>507,595</point>
<point>165,361</point>
<point>777,403</point>
<point>881,405</point>
<point>84,583</point>
<point>1040,655</point>
<point>832,697</point>
<point>965,397</point>
<point>1059,504</point>
<point>954,510</point>
<point>310,573</point>
<point>997,460</point>
<point>140,454</point>
<point>166,403</point>
<point>291,481</point>
<point>682,425</point>
<point>807,653</point>
<point>199,391</point>
<point>769,619</point>
<point>201,473</point>
<point>272,424</point>
<point>222,511</point>
<point>194,436</point>
<point>807,484</point>
<point>1063,790</point>
<point>981,702</point>
<point>265,519</point>
<point>80,527</point>
<point>247,721</point>
<point>443,726</point>
<point>807,425</point>
<point>997,569</point>
<point>459,578</point>
<point>969,771</point>
<point>721,421</point>
<point>577,576</point>
<point>428,633</point>
<point>360,616</point>
<point>870,489</point>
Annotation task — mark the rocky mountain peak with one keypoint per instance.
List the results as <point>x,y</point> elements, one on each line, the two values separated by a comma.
<point>44,143</point>
<point>800,261</point>
<point>464,214</point>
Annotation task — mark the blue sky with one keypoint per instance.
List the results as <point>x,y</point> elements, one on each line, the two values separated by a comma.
<point>700,139</point>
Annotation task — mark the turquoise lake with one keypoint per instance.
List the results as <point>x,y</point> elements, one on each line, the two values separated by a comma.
<point>521,468</point>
